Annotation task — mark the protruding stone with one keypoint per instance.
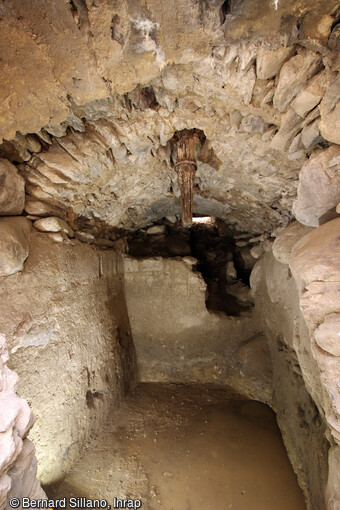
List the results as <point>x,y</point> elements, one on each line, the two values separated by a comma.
<point>19,148</point>
<point>293,77</point>
<point>327,335</point>
<point>38,208</point>
<point>296,144</point>
<point>241,243</point>
<point>330,125</point>
<point>5,485</point>
<point>269,63</point>
<point>190,260</point>
<point>14,248</point>
<point>290,125</point>
<point>268,245</point>
<point>331,97</point>
<point>172,219</point>
<point>268,98</point>
<point>268,135</point>
<point>287,238</point>
<point>32,144</point>
<point>12,189</point>
<point>53,224</point>
<point>23,473</point>
<point>310,96</point>
<point>75,122</point>
<point>257,251</point>
<point>156,229</point>
<point>319,187</point>
<point>316,256</point>
<point>57,130</point>
<point>310,135</point>
<point>85,237</point>
<point>231,273</point>
<point>300,154</point>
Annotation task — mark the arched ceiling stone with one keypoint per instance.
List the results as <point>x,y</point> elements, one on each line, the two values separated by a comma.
<point>102,86</point>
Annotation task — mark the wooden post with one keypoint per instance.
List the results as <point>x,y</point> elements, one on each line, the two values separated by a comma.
<point>186,167</point>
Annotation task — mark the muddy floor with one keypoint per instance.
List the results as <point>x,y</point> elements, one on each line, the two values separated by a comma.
<point>188,448</point>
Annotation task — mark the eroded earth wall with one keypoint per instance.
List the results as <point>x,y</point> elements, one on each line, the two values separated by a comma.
<point>178,340</point>
<point>65,324</point>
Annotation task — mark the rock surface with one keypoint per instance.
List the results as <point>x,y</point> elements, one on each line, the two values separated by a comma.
<point>316,256</point>
<point>269,63</point>
<point>260,94</point>
<point>287,238</point>
<point>156,229</point>
<point>319,187</point>
<point>296,378</point>
<point>78,62</point>
<point>333,485</point>
<point>53,224</point>
<point>293,78</point>
<point>14,245</point>
<point>17,455</point>
<point>39,208</point>
<point>12,189</point>
<point>327,335</point>
<point>311,95</point>
<point>316,269</point>
<point>330,125</point>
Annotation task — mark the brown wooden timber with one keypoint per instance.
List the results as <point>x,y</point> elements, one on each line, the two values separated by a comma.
<point>186,167</point>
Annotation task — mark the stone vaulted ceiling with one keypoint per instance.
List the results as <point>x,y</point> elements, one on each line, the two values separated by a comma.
<point>93,91</point>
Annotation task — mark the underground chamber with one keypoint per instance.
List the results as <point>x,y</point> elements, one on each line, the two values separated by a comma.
<point>169,255</point>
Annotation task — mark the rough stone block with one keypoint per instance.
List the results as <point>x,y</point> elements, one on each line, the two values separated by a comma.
<point>316,256</point>
<point>330,125</point>
<point>269,63</point>
<point>310,96</point>
<point>53,224</point>
<point>327,335</point>
<point>156,229</point>
<point>14,248</point>
<point>310,135</point>
<point>12,189</point>
<point>293,77</point>
<point>287,238</point>
<point>38,208</point>
<point>319,187</point>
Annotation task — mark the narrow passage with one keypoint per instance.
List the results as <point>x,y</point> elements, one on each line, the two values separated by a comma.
<point>179,447</point>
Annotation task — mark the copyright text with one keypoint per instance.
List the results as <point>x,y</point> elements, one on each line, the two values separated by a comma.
<point>74,503</point>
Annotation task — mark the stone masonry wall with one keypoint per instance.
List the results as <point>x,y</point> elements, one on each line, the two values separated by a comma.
<point>296,290</point>
<point>303,429</point>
